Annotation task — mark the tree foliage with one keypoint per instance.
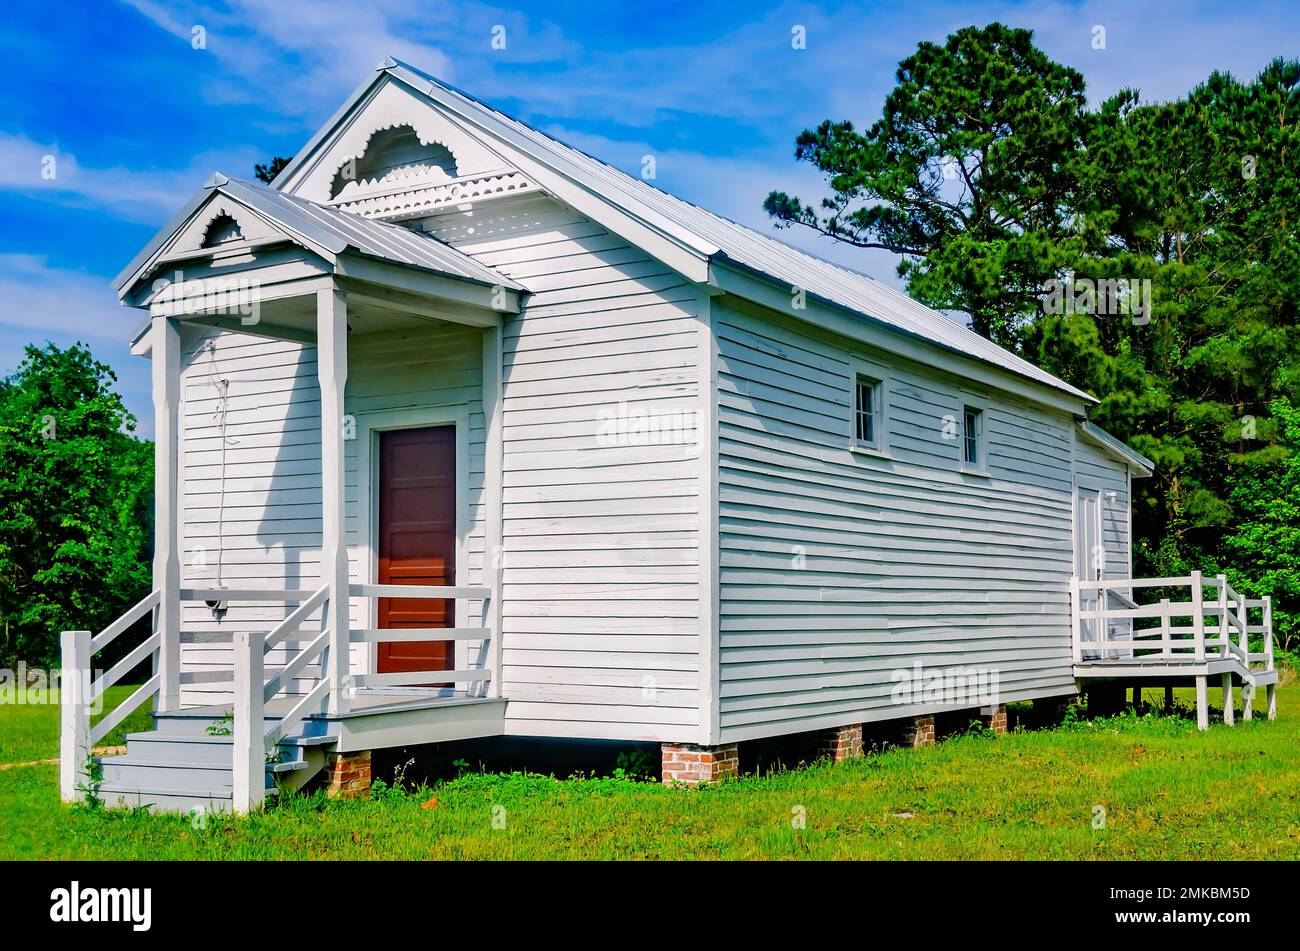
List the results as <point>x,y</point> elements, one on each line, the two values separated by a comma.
<point>76,490</point>
<point>1197,196</point>
<point>266,173</point>
<point>962,175</point>
<point>1264,549</point>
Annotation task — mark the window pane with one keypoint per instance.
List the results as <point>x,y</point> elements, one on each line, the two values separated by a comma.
<point>971,434</point>
<point>865,412</point>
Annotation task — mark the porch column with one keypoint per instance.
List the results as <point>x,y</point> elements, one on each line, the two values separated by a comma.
<point>492,482</point>
<point>1202,702</point>
<point>166,368</point>
<point>332,374</point>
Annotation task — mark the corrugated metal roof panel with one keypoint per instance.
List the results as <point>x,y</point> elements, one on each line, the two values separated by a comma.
<point>334,231</point>
<point>340,230</point>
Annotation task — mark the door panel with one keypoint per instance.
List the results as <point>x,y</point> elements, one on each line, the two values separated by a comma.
<point>417,541</point>
<point>1088,558</point>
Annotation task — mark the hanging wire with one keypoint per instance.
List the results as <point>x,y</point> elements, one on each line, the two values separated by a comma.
<point>221,386</point>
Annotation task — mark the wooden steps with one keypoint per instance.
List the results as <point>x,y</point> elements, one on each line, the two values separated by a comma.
<point>181,767</point>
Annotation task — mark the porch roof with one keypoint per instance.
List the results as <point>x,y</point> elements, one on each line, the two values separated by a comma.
<point>327,231</point>
<point>1117,449</point>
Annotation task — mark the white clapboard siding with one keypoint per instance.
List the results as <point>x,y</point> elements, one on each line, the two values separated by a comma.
<point>267,525</point>
<point>601,540</point>
<point>268,533</point>
<point>839,568</point>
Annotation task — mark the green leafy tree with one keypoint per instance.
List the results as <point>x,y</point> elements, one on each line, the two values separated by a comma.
<point>76,491</point>
<point>969,175</point>
<point>1264,546</point>
<point>1193,201</point>
<point>266,173</point>
<point>1197,196</point>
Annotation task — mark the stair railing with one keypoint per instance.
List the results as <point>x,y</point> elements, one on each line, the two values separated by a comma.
<point>253,743</point>
<point>1180,627</point>
<point>79,694</point>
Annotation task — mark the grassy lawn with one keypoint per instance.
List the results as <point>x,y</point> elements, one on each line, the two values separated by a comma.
<point>30,731</point>
<point>1168,793</point>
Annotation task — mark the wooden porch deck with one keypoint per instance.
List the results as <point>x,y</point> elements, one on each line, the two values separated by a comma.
<point>1175,639</point>
<point>383,719</point>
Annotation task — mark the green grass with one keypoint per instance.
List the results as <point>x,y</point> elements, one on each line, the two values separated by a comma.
<point>30,731</point>
<point>1168,792</point>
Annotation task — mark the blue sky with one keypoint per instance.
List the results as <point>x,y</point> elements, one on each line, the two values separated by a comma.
<point>136,118</point>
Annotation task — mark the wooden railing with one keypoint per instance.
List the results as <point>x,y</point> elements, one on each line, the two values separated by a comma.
<point>253,741</point>
<point>78,694</point>
<point>483,673</point>
<point>1179,626</point>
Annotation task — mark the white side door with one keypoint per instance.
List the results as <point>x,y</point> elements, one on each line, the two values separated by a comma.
<point>1089,558</point>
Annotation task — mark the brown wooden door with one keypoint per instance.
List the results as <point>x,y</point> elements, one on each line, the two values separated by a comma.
<point>417,541</point>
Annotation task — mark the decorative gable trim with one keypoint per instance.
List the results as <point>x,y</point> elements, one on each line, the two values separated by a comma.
<point>194,236</point>
<point>414,199</point>
<point>391,105</point>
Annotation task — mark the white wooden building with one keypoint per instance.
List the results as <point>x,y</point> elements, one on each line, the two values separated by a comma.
<point>675,481</point>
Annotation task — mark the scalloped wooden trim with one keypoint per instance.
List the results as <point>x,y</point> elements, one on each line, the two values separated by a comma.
<point>393,126</point>
<point>406,202</point>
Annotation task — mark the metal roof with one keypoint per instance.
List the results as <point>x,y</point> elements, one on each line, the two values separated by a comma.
<point>715,237</point>
<point>1117,448</point>
<point>329,231</point>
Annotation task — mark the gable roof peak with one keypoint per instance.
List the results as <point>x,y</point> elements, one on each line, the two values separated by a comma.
<point>689,238</point>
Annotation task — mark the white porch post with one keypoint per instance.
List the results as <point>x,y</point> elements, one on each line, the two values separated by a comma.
<point>166,357</point>
<point>1269,662</point>
<point>248,780</point>
<point>332,373</point>
<point>74,715</point>
<point>1202,702</point>
<point>1198,615</point>
<point>492,481</point>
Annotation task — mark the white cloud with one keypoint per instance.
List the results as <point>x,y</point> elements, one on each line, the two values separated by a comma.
<point>42,297</point>
<point>42,302</point>
<point>148,195</point>
<point>302,57</point>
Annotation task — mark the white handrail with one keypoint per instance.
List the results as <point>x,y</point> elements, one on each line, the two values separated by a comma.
<point>413,678</point>
<point>437,591</point>
<point>110,633</point>
<point>244,594</point>
<point>124,709</point>
<point>487,675</point>
<point>77,693</point>
<point>125,665</point>
<point>296,617</point>
<point>296,666</point>
<point>1226,636</point>
<point>312,699</point>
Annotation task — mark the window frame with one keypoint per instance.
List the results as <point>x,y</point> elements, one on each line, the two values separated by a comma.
<point>861,371</point>
<point>980,466</point>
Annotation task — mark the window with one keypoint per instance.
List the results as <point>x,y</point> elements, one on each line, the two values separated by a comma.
<point>868,420</point>
<point>972,432</point>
